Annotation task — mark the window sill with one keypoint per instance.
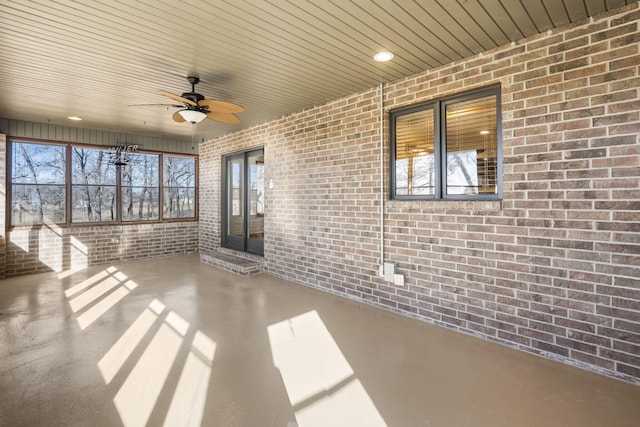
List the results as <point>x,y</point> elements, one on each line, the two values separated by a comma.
<point>446,206</point>
<point>99,224</point>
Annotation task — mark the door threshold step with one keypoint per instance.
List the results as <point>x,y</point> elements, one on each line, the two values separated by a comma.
<point>232,263</point>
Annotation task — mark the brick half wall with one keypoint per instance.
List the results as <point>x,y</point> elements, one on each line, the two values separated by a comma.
<point>53,248</point>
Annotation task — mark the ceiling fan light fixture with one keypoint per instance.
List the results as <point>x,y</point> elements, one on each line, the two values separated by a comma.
<point>193,116</point>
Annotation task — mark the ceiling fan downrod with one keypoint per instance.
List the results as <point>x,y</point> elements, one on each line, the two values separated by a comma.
<point>194,81</point>
<point>193,96</point>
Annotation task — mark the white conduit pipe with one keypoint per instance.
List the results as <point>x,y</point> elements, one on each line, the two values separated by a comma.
<point>382,192</point>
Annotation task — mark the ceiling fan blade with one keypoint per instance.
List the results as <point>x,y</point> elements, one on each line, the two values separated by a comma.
<point>220,106</point>
<point>178,98</point>
<point>178,118</point>
<point>155,105</point>
<point>224,117</point>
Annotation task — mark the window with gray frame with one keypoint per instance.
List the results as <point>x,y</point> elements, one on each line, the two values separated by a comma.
<point>448,149</point>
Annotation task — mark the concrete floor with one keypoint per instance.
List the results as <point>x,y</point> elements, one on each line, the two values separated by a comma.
<point>176,342</point>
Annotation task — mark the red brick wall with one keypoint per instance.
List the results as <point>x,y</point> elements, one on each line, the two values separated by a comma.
<point>553,269</point>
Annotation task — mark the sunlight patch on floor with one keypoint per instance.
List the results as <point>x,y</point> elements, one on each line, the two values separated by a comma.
<point>68,273</point>
<point>320,383</point>
<point>137,396</point>
<point>117,355</point>
<point>93,294</point>
<point>349,405</point>
<point>89,282</point>
<point>104,290</point>
<point>187,405</point>
<point>101,307</point>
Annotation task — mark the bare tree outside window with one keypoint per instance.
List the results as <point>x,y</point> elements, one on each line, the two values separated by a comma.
<point>179,186</point>
<point>140,188</point>
<point>38,190</point>
<point>66,184</point>
<point>93,189</point>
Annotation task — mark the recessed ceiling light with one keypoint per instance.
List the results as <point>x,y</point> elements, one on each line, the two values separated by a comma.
<point>383,56</point>
<point>484,132</point>
<point>74,118</point>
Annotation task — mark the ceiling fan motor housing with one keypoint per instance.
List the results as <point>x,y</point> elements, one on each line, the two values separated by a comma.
<point>192,96</point>
<point>196,108</point>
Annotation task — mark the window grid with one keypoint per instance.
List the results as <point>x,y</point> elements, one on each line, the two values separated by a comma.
<point>83,185</point>
<point>448,149</point>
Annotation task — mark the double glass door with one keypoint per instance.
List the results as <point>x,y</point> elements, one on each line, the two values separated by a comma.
<point>243,201</point>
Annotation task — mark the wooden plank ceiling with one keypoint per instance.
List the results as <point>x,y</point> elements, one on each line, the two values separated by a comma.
<point>96,58</point>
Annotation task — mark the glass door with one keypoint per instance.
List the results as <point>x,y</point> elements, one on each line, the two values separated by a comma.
<point>243,202</point>
<point>255,202</point>
<point>233,230</point>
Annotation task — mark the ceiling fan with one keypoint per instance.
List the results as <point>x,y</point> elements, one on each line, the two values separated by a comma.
<point>195,108</point>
